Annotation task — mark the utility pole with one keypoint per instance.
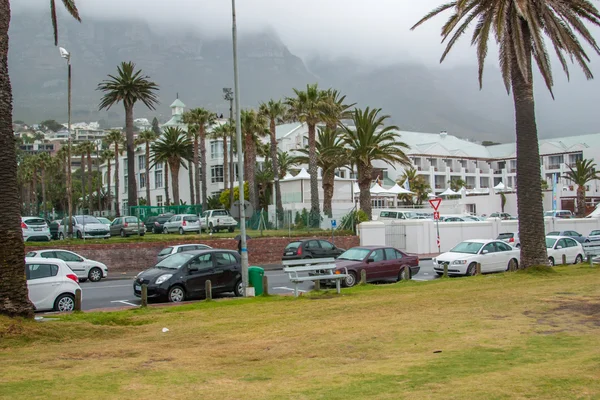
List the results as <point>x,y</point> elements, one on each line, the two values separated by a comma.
<point>238,131</point>
<point>66,55</point>
<point>228,95</point>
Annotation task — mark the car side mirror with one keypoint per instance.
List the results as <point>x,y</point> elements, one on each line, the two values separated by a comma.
<point>370,260</point>
<point>558,247</point>
<point>484,252</point>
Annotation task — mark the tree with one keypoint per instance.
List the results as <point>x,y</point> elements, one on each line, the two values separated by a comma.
<point>275,112</point>
<point>309,107</point>
<point>286,162</point>
<point>369,140</point>
<point>129,86</point>
<point>456,184</point>
<point>52,125</point>
<point>203,119</point>
<point>106,156</point>
<point>155,127</point>
<point>223,132</point>
<point>44,162</point>
<point>86,149</point>
<point>146,138</point>
<point>224,197</point>
<point>418,185</point>
<point>115,138</point>
<point>253,127</point>
<point>335,110</point>
<point>519,27</point>
<point>173,147</point>
<point>583,173</point>
<point>331,155</point>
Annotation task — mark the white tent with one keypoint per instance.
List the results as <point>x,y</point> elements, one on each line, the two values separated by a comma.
<point>449,192</point>
<point>302,174</point>
<point>397,189</point>
<point>379,191</point>
<point>287,176</point>
<point>500,187</point>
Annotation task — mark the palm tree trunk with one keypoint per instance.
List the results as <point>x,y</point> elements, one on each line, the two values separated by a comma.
<point>117,208</point>
<point>315,213</point>
<point>44,208</point>
<point>83,185</point>
<point>278,203</point>
<point>225,161</point>
<point>203,167</point>
<point>196,168</point>
<point>31,197</point>
<point>148,203</point>
<point>191,176</point>
<point>249,167</point>
<point>529,190</point>
<point>14,297</point>
<point>36,203</point>
<point>167,198</point>
<point>364,183</point>
<point>328,182</point>
<point>131,183</point>
<point>99,184</point>
<point>581,211</point>
<point>175,178</point>
<point>90,180</point>
<point>108,186</point>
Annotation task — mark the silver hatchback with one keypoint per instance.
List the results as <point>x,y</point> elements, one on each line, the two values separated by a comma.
<point>182,223</point>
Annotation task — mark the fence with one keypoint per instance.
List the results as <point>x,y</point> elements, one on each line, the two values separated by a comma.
<point>294,221</point>
<point>143,212</point>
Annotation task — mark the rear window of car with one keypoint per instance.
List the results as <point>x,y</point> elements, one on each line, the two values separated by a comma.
<point>503,236</point>
<point>553,234</point>
<point>31,254</point>
<point>162,220</point>
<point>220,213</point>
<point>133,220</point>
<point>191,219</point>
<point>35,221</point>
<point>293,245</point>
<point>166,251</point>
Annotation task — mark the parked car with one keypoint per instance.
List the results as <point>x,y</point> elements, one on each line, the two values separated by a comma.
<point>453,219</point>
<point>126,226</point>
<point>105,221</point>
<point>379,262</point>
<point>155,224</point>
<point>310,248</point>
<point>182,223</point>
<point>51,284</point>
<point>54,228</point>
<point>493,255</point>
<point>512,238</point>
<point>216,220</point>
<point>84,269</point>
<point>556,246</point>
<point>594,235</point>
<point>84,225</point>
<point>472,218</point>
<point>182,248</point>
<point>395,214</point>
<point>500,215</point>
<point>572,234</point>
<point>183,275</point>
<point>35,229</point>
<point>559,214</point>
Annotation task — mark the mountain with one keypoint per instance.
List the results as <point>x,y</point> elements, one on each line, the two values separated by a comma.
<point>197,67</point>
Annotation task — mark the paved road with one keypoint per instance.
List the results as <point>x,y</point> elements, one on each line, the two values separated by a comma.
<point>119,292</point>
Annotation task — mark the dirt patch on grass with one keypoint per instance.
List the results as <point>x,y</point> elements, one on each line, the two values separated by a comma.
<point>569,314</point>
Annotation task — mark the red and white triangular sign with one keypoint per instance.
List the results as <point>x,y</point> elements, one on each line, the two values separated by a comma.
<point>435,203</point>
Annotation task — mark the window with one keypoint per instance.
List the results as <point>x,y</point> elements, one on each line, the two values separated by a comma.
<point>377,255</point>
<point>158,179</point>
<point>202,262</point>
<point>562,243</point>
<point>217,213</point>
<point>399,254</point>
<point>142,180</point>
<point>142,162</point>
<point>159,200</point>
<point>326,245</point>
<point>68,257</point>
<point>40,271</point>
<point>216,173</point>
<point>131,220</point>
<point>158,166</point>
<point>503,247</point>
<point>216,149</point>
<point>312,244</point>
<point>571,243</point>
<point>224,259</point>
<point>390,254</point>
<point>489,248</point>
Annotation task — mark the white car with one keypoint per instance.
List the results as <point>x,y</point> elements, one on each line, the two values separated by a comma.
<point>512,238</point>
<point>104,221</point>
<point>51,284</point>
<point>167,251</point>
<point>35,228</point>
<point>493,255</point>
<point>182,223</point>
<point>84,269</point>
<point>559,245</point>
<point>215,220</point>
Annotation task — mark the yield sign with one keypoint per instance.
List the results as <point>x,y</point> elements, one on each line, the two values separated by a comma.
<point>435,203</point>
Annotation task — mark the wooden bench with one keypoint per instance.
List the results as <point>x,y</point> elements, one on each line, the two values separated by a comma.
<point>317,269</point>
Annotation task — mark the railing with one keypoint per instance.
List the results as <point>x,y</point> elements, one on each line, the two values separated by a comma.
<point>554,166</point>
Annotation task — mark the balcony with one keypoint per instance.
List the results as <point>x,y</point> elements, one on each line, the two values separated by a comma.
<point>553,166</point>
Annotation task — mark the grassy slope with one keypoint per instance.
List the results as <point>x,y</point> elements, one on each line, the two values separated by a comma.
<point>503,336</point>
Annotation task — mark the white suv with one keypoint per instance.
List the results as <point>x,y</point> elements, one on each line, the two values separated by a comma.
<point>215,220</point>
<point>51,284</point>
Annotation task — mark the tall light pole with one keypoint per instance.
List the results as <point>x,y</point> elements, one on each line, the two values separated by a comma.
<point>66,55</point>
<point>238,135</point>
<point>228,95</point>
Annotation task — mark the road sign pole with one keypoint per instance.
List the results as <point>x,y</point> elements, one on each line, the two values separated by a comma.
<point>437,225</point>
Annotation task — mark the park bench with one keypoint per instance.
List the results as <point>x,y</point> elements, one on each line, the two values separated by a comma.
<point>317,269</point>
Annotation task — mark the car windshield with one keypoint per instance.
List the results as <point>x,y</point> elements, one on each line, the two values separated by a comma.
<point>356,254</point>
<point>553,234</point>
<point>503,236</point>
<point>87,220</point>
<point>550,243</point>
<point>104,220</point>
<point>549,214</point>
<point>292,246</point>
<point>175,261</point>
<point>467,247</point>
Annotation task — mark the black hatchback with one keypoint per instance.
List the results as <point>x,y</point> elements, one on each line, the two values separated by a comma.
<point>183,276</point>
<point>155,224</point>
<point>310,248</point>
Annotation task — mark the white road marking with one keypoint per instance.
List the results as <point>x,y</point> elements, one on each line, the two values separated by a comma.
<point>105,287</point>
<point>287,288</point>
<point>125,302</point>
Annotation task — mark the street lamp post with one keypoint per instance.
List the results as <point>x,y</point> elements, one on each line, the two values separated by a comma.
<point>238,135</point>
<point>66,55</point>
<point>228,95</point>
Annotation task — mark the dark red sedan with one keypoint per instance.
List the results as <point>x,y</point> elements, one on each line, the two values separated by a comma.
<point>380,263</point>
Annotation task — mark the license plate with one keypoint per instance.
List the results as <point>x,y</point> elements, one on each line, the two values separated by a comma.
<point>138,287</point>
<point>289,253</point>
<point>37,229</point>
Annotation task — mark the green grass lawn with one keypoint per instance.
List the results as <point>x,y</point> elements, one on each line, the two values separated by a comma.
<point>150,237</point>
<point>524,335</point>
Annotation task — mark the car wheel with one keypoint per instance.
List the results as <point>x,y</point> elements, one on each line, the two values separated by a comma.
<point>551,261</point>
<point>79,236</point>
<point>350,280</point>
<point>181,231</point>
<point>238,289</point>
<point>404,274</point>
<point>123,233</point>
<point>472,270</point>
<point>176,294</point>
<point>95,275</point>
<point>210,228</point>
<point>231,229</point>
<point>512,265</point>
<point>64,303</point>
<point>578,259</point>
<point>61,236</point>
<point>165,230</point>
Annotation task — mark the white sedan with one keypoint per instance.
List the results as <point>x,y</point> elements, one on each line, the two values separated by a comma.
<point>84,269</point>
<point>51,284</point>
<point>493,255</point>
<point>559,245</point>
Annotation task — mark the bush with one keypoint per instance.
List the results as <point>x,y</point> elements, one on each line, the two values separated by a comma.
<point>353,218</point>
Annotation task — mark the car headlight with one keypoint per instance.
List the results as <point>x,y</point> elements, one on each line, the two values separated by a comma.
<point>435,261</point>
<point>163,278</point>
<point>459,262</point>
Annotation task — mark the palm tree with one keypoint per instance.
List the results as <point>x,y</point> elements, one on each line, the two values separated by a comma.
<point>335,108</point>
<point>146,138</point>
<point>253,127</point>
<point>519,27</point>
<point>173,147</point>
<point>371,140</point>
<point>331,155</point>
<point>203,119</point>
<point>86,149</point>
<point>286,162</point>
<point>583,173</point>
<point>44,162</point>
<point>192,133</point>
<point>223,132</point>
<point>115,138</point>
<point>418,185</point>
<point>309,106</point>
<point>129,86</point>
<point>275,112</point>
<point>105,157</point>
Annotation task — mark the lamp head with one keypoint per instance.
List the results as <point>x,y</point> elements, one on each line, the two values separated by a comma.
<point>64,53</point>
